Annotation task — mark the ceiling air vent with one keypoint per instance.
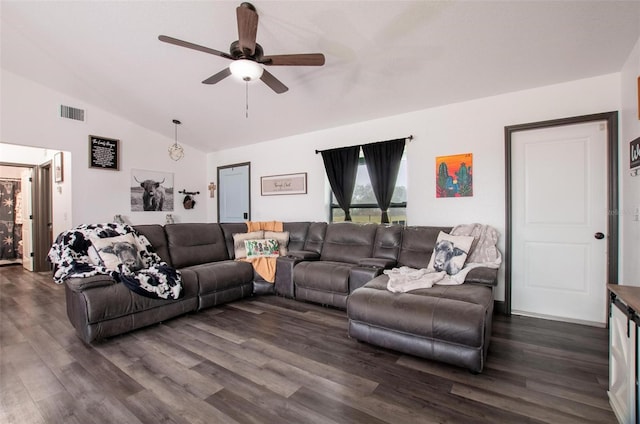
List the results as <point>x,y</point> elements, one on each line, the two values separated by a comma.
<point>71,113</point>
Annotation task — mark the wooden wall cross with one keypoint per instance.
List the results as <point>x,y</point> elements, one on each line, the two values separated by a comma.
<point>212,189</point>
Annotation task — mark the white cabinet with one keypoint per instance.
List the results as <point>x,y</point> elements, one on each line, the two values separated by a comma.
<point>623,355</point>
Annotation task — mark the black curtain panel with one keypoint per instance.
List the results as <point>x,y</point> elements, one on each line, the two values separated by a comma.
<point>341,166</point>
<point>383,163</point>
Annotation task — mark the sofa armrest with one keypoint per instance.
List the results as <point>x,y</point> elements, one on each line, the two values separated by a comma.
<point>283,284</point>
<point>305,255</point>
<point>359,276</point>
<point>84,283</point>
<point>483,275</point>
<point>377,263</point>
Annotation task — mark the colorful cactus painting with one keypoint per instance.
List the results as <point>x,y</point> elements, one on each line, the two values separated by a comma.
<point>454,176</point>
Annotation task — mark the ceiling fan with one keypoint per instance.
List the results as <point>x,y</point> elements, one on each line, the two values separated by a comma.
<point>248,56</point>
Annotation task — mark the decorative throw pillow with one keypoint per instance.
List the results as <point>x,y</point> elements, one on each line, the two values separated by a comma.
<point>282,238</point>
<point>450,253</point>
<point>238,242</point>
<point>263,248</point>
<point>114,251</point>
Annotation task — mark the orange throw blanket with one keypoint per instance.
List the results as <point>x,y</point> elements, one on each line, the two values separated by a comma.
<point>265,267</point>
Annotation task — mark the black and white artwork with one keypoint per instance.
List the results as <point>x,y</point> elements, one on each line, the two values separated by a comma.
<point>151,191</point>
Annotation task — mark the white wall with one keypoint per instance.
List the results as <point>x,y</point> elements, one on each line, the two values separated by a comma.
<point>475,126</point>
<point>630,186</point>
<point>30,117</point>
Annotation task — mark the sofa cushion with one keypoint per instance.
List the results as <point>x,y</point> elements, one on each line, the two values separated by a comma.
<point>315,237</point>
<point>158,238</point>
<point>387,242</point>
<point>348,242</point>
<point>229,229</point>
<point>116,300</point>
<point>454,314</point>
<point>195,243</point>
<point>297,234</point>
<point>450,253</point>
<point>417,245</point>
<point>222,275</point>
<point>323,275</point>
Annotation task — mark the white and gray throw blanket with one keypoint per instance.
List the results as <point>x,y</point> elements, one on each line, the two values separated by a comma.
<point>484,254</point>
<point>69,255</point>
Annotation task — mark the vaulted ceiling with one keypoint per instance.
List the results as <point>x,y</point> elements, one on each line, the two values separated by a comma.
<point>382,58</point>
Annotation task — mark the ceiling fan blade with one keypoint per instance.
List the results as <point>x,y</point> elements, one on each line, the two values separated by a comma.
<point>273,82</point>
<point>218,77</point>
<point>247,27</point>
<point>181,43</point>
<point>306,59</point>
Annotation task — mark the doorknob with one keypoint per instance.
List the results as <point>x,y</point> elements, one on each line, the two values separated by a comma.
<point>599,235</point>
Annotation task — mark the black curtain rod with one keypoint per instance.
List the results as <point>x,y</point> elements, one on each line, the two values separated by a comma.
<point>409,138</point>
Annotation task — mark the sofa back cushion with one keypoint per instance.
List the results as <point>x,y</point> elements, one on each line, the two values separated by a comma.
<point>158,239</point>
<point>348,242</point>
<point>195,243</point>
<point>387,242</point>
<point>297,234</point>
<point>229,229</point>
<point>315,237</point>
<point>417,245</point>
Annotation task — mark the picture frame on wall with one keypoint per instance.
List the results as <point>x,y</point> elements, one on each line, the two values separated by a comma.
<point>58,167</point>
<point>273,185</point>
<point>151,191</point>
<point>454,175</point>
<point>104,153</point>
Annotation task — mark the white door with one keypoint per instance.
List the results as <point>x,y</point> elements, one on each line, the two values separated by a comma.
<point>559,204</point>
<point>234,193</point>
<point>27,219</point>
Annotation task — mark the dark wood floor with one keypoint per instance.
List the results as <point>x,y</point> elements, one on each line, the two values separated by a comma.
<point>274,360</point>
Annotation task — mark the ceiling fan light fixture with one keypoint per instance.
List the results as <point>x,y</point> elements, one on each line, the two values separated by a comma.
<point>246,70</point>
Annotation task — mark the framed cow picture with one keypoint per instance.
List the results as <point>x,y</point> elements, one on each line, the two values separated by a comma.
<point>151,191</point>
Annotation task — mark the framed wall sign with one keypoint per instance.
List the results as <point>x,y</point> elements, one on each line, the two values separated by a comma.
<point>103,153</point>
<point>283,184</point>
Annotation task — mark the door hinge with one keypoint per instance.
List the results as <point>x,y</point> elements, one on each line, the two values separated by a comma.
<point>31,254</point>
<point>30,216</point>
<point>30,179</point>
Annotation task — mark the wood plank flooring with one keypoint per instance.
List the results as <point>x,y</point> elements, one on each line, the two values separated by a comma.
<point>273,360</point>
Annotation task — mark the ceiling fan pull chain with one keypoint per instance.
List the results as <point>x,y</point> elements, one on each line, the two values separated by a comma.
<point>246,112</point>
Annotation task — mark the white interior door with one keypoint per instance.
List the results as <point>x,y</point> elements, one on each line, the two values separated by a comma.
<point>559,204</point>
<point>234,193</point>
<point>26,188</point>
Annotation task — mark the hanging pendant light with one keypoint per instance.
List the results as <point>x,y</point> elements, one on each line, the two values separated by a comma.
<point>176,152</point>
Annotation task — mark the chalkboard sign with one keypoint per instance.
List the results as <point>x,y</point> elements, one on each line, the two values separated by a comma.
<point>103,153</point>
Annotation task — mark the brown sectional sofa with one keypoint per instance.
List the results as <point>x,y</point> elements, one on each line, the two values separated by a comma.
<point>339,265</point>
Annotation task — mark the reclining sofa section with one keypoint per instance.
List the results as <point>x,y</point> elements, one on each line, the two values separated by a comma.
<point>451,324</point>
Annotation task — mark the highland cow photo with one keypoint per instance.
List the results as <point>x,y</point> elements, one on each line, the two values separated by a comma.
<point>151,191</point>
<point>453,175</point>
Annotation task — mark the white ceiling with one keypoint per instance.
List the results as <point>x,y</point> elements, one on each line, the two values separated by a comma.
<point>382,57</point>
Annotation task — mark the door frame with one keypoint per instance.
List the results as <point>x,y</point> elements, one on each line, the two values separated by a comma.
<point>612,191</point>
<point>235,165</point>
<point>43,216</point>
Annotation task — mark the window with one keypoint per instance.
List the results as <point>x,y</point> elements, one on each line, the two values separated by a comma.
<point>364,207</point>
